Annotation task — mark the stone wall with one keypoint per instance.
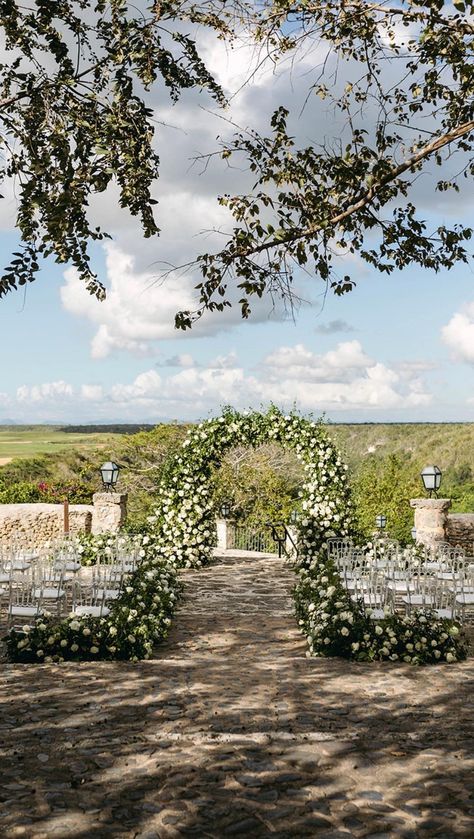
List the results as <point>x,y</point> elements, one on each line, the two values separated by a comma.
<point>430,519</point>
<point>38,523</point>
<point>110,511</point>
<point>434,524</point>
<point>460,531</point>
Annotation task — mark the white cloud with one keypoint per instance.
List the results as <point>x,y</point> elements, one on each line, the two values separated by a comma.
<point>139,310</point>
<point>92,393</point>
<point>224,362</point>
<point>49,391</point>
<point>146,387</point>
<point>336,365</point>
<point>343,379</point>
<point>458,334</point>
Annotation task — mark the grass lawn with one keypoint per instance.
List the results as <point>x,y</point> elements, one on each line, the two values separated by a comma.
<point>18,441</point>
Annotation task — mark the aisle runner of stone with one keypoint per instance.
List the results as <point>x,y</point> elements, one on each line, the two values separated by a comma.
<point>232,731</point>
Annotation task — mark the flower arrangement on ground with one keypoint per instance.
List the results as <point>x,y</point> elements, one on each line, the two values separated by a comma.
<point>139,619</point>
<point>336,625</point>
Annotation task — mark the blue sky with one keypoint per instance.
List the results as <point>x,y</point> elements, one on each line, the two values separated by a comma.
<point>397,348</point>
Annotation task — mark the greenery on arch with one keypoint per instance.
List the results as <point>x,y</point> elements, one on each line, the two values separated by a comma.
<point>184,521</point>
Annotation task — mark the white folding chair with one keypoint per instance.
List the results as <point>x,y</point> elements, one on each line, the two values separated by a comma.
<point>87,601</point>
<point>22,602</point>
<point>48,586</point>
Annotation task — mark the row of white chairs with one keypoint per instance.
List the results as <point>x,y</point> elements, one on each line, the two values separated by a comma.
<point>389,579</point>
<point>31,584</point>
<point>48,589</point>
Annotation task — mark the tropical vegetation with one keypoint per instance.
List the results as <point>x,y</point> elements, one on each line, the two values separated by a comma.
<point>261,483</point>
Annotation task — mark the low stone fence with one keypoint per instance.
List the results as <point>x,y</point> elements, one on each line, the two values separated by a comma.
<point>435,524</point>
<point>460,531</point>
<point>38,523</point>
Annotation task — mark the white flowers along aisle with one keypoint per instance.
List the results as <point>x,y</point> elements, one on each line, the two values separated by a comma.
<point>181,534</point>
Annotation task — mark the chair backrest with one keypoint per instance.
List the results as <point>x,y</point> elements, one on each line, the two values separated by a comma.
<point>87,596</point>
<point>21,593</point>
<point>108,576</point>
<point>339,548</point>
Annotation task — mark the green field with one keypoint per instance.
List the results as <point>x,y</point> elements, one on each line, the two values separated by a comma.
<point>25,441</point>
<point>450,444</point>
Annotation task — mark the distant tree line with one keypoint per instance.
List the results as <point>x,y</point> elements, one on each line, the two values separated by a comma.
<point>111,428</point>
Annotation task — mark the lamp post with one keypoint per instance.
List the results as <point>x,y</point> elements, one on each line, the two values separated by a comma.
<point>225,509</point>
<point>109,472</point>
<point>413,533</point>
<point>381,521</point>
<point>431,477</point>
<point>294,516</point>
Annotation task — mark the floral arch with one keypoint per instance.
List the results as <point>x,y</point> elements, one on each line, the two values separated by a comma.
<point>184,522</point>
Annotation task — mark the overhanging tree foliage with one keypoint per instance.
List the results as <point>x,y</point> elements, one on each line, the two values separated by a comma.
<point>401,78</point>
<point>399,75</point>
<point>74,117</point>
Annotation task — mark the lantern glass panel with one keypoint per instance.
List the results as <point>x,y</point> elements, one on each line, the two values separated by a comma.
<point>431,477</point>
<point>110,473</point>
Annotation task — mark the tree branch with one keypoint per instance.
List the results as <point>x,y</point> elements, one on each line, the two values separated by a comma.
<point>366,197</point>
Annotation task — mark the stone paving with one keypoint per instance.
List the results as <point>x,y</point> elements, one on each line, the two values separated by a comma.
<point>232,731</point>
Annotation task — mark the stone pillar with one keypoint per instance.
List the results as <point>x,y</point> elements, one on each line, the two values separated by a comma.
<point>110,511</point>
<point>431,516</point>
<point>223,534</point>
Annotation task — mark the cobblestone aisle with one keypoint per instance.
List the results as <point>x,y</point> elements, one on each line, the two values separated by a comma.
<point>232,731</point>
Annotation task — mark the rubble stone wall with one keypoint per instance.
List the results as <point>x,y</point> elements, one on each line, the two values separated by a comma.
<point>38,523</point>
<point>460,531</point>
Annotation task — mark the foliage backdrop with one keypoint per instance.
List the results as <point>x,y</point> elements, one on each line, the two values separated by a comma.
<point>261,484</point>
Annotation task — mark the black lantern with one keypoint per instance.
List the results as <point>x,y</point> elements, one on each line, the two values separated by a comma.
<point>431,477</point>
<point>294,516</point>
<point>381,521</point>
<point>109,472</point>
<point>413,533</point>
<point>225,509</point>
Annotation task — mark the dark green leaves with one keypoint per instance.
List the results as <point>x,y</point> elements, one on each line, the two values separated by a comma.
<point>405,104</point>
<point>74,119</point>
